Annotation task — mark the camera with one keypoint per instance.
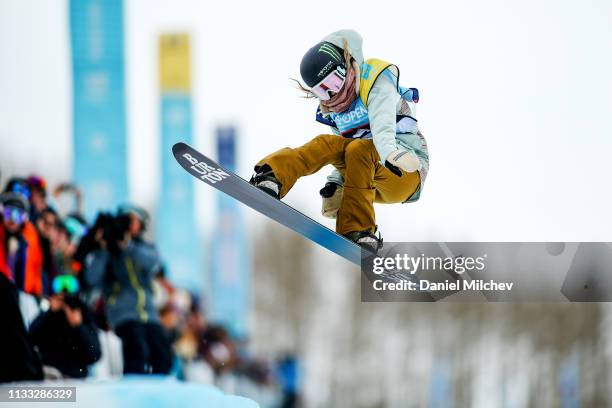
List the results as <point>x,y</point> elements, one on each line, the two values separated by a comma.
<point>109,229</point>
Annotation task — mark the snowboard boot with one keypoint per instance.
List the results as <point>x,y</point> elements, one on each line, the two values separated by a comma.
<point>366,240</point>
<point>265,180</point>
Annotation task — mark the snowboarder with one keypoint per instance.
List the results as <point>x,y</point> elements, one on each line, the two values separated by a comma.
<point>377,150</point>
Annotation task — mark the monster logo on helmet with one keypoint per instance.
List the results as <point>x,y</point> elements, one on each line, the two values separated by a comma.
<point>319,61</point>
<point>331,51</point>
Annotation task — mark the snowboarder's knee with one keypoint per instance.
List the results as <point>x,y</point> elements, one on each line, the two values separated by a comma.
<point>327,142</point>
<point>360,148</point>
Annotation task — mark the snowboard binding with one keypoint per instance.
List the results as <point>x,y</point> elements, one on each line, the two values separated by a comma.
<point>367,240</point>
<point>265,180</point>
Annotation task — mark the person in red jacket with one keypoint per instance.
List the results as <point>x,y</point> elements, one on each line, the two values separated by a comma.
<point>21,258</point>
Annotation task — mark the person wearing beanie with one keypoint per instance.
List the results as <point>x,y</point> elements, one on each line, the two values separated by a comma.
<point>21,257</point>
<point>38,196</point>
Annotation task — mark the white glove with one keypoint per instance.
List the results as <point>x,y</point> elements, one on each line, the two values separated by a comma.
<point>405,160</point>
<point>332,196</point>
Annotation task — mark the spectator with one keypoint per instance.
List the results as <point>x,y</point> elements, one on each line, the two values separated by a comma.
<point>38,196</point>
<point>169,319</point>
<point>125,266</point>
<point>195,323</point>
<point>47,225</point>
<point>139,220</point>
<point>66,335</point>
<point>70,233</point>
<point>21,257</point>
<point>218,350</point>
<point>19,360</point>
<point>288,377</point>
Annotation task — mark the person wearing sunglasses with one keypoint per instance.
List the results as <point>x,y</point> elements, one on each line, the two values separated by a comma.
<point>377,150</point>
<point>21,256</point>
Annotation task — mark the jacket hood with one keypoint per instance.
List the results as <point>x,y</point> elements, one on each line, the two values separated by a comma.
<point>355,42</point>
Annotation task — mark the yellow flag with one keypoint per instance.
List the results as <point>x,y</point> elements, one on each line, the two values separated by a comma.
<point>174,62</point>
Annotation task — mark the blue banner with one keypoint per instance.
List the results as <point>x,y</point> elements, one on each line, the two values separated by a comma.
<point>230,278</point>
<point>569,381</point>
<point>99,126</point>
<point>176,229</point>
<point>441,385</point>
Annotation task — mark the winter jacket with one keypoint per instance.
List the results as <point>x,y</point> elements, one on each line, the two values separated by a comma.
<point>69,349</point>
<point>389,118</point>
<point>28,266</point>
<point>18,359</point>
<point>126,280</point>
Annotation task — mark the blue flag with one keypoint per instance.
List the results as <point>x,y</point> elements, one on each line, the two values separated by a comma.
<point>99,128</point>
<point>230,278</point>
<point>176,230</point>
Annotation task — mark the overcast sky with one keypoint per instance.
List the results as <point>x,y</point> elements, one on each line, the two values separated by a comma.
<point>515,102</point>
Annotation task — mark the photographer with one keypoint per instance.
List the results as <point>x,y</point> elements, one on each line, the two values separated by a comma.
<point>66,335</point>
<point>124,266</point>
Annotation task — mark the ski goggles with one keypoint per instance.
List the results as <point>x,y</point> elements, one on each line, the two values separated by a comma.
<point>14,214</point>
<point>332,83</point>
<point>65,284</point>
<point>75,229</point>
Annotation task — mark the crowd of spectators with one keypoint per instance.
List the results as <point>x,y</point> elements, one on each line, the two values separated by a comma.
<point>93,299</point>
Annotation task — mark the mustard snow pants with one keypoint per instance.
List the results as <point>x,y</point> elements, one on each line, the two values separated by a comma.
<point>366,180</point>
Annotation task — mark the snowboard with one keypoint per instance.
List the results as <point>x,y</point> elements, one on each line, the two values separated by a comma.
<point>216,176</point>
